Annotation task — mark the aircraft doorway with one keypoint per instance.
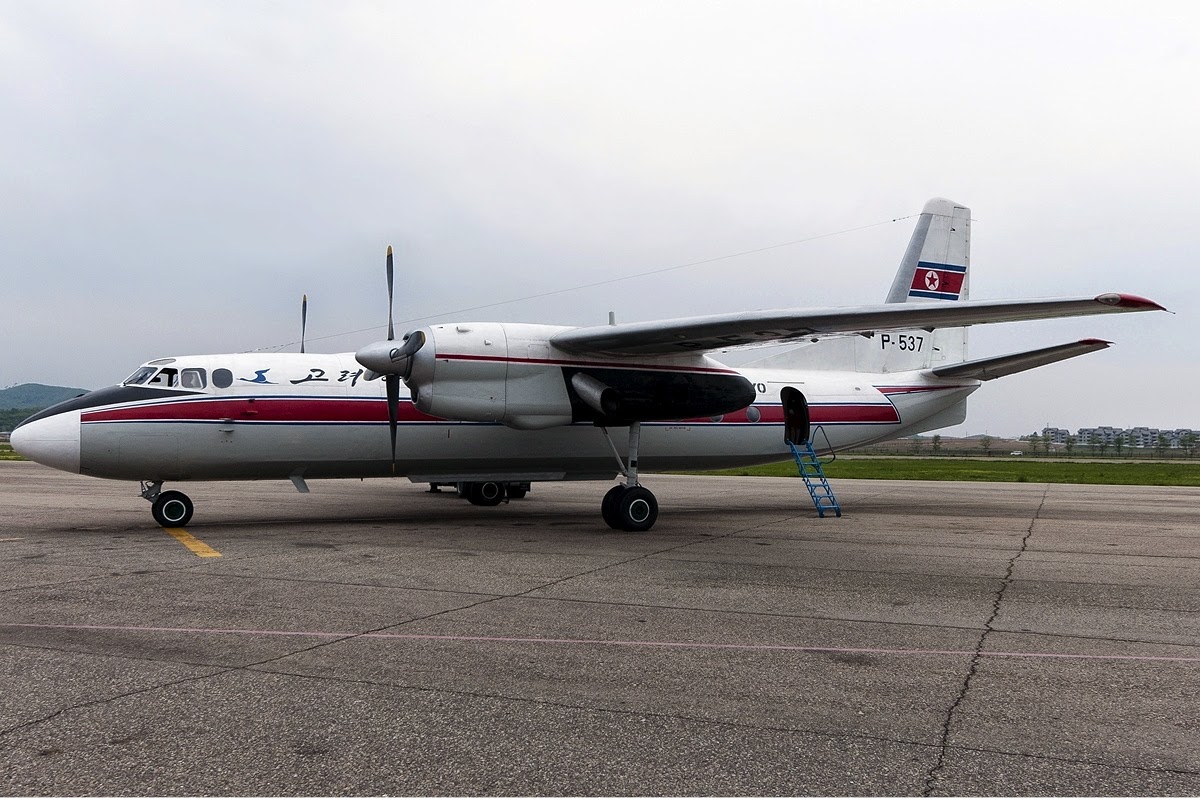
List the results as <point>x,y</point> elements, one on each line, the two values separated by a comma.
<point>795,416</point>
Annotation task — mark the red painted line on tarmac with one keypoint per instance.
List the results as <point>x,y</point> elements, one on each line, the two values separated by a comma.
<point>626,643</point>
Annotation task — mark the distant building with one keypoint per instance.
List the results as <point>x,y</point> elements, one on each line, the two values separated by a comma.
<point>1055,434</point>
<point>1136,438</point>
<point>1095,436</point>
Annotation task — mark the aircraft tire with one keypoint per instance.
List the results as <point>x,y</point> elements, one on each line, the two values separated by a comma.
<point>172,509</point>
<point>608,507</point>
<point>637,510</point>
<point>515,492</point>
<point>485,494</point>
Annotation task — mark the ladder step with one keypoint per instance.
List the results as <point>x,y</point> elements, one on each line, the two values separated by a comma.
<point>813,475</point>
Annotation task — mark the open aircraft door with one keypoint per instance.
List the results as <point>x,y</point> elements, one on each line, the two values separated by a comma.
<point>795,416</point>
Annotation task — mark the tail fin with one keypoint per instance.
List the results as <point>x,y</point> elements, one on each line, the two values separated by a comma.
<point>935,268</point>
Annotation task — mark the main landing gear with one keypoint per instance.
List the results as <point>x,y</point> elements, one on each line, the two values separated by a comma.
<point>630,506</point>
<point>484,494</point>
<point>170,508</point>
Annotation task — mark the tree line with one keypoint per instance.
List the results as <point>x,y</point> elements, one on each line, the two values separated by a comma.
<point>10,418</point>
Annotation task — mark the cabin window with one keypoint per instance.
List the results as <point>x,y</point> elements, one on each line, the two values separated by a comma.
<point>193,378</point>
<point>222,378</point>
<point>139,377</point>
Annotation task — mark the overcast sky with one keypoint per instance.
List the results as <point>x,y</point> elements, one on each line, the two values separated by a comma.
<point>175,175</point>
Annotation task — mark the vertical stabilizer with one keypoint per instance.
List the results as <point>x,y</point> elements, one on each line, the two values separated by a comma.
<point>935,268</point>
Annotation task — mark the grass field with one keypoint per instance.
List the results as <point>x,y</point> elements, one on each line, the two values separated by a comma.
<point>1026,470</point>
<point>7,453</point>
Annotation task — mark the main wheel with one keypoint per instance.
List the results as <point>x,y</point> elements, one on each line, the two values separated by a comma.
<point>637,510</point>
<point>485,494</point>
<point>515,491</point>
<point>172,508</point>
<point>608,507</point>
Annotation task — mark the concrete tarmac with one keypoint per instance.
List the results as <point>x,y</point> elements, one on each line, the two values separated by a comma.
<point>369,638</point>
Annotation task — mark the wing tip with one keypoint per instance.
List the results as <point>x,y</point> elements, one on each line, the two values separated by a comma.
<point>1097,342</point>
<point>1129,302</point>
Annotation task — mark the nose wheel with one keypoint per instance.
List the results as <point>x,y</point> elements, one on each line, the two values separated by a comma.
<point>170,508</point>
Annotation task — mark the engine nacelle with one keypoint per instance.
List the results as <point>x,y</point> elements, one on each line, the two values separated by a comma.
<point>490,372</point>
<point>512,374</point>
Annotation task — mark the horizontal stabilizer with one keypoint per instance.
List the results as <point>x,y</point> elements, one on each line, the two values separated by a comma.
<point>990,368</point>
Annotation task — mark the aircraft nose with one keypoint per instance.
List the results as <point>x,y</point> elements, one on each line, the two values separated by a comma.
<point>52,440</point>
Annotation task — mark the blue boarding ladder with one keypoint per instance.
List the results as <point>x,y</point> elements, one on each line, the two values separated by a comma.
<point>814,476</point>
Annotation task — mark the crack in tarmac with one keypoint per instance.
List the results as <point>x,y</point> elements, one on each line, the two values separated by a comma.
<point>723,723</point>
<point>931,778</point>
<point>256,669</point>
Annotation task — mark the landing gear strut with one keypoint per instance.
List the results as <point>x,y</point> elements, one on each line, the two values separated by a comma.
<point>170,508</point>
<point>630,506</point>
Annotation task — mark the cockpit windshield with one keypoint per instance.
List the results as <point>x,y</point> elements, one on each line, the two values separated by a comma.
<point>192,378</point>
<point>140,376</point>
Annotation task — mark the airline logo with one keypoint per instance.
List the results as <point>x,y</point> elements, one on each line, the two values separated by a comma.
<point>937,281</point>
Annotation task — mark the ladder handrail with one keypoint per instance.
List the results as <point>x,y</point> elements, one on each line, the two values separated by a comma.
<point>828,444</point>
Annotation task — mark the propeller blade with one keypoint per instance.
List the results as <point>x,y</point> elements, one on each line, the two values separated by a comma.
<point>303,320</point>
<point>393,399</point>
<point>391,330</point>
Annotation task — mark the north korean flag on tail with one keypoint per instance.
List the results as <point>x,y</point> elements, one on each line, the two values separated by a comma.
<point>937,281</point>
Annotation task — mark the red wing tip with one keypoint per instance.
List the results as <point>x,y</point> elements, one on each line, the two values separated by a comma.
<point>1095,342</point>
<point>1129,302</point>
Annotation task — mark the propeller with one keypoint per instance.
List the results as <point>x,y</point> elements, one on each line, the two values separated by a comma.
<point>303,320</point>
<point>392,381</point>
<point>391,331</point>
<point>393,363</point>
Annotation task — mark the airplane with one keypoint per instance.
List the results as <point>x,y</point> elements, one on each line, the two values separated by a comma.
<point>494,407</point>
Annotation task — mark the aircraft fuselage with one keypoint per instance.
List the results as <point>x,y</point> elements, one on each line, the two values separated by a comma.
<point>278,416</point>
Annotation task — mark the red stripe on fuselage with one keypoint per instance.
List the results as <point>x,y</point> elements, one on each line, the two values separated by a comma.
<point>887,391</point>
<point>282,409</point>
<point>818,414</point>
<point>337,410</point>
<point>852,414</point>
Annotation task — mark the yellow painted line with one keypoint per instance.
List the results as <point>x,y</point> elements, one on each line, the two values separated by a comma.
<point>197,547</point>
<point>9,540</point>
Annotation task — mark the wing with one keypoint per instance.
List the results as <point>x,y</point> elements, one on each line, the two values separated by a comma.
<point>730,330</point>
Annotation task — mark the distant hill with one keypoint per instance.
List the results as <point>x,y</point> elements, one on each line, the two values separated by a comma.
<point>31,395</point>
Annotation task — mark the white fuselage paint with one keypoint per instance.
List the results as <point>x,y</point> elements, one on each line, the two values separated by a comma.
<point>314,416</point>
